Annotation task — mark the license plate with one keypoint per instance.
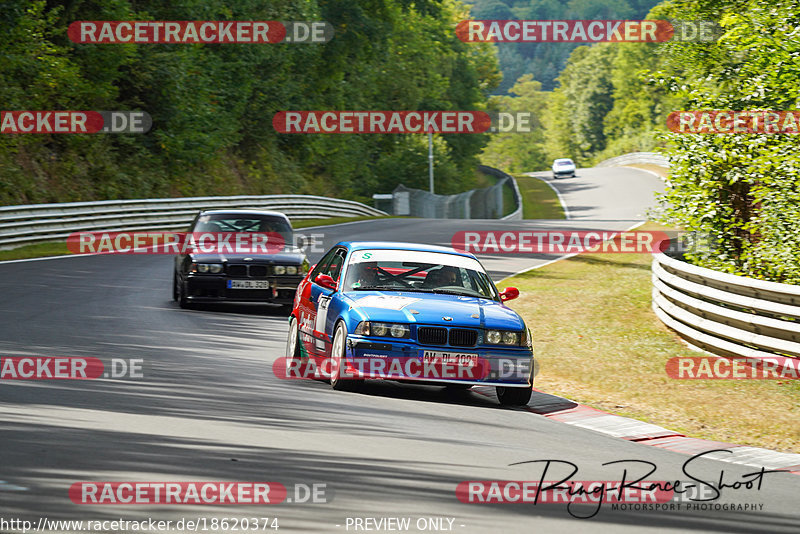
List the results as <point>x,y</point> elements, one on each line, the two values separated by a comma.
<point>464,359</point>
<point>248,284</point>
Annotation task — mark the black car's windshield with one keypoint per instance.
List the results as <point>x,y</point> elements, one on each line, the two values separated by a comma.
<point>227,222</point>
<point>427,272</point>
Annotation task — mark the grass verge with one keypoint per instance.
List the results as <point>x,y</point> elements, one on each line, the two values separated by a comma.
<point>599,343</point>
<point>37,250</point>
<point>305,223</point>
<point>539,201</point>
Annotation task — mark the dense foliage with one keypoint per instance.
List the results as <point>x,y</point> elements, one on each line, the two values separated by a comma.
<point>545,61</point>
<point>742,189</point>
<point>212,105</point>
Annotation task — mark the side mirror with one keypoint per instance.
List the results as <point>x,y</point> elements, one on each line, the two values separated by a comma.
<point>509,293</point>
<point>325,281</point>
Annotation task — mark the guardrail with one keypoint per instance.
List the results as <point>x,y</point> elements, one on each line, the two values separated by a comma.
<point>35,223</point>
<point>652,158</point>
<point>515,215</point>
<point>485,203</point>
<point>725,314</point>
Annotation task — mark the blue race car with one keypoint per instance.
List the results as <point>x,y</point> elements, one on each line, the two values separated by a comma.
<point>404,311</point>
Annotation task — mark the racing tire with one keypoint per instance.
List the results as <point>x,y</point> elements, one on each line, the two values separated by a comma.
<point>183,302</point>
<point>339,381</point>
<point>293,341</point>
<point>514,396</point>
<point>175,287</point>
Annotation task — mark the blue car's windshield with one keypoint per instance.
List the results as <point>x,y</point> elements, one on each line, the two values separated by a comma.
<point>432,272</point>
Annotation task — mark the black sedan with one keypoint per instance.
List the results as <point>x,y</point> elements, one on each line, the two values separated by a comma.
<point>265,276</point>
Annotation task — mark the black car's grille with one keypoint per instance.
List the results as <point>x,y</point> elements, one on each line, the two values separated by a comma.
<point>258,271</point>
<point>463,337</point>
<point>237,270</point>
<point>430,335</point>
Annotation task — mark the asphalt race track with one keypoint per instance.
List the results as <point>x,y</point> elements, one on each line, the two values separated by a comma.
<point>210,409</point>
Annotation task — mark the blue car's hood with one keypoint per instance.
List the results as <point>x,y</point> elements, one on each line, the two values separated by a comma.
<point>397,306</point>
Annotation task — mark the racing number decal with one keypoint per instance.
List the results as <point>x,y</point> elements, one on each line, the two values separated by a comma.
<point>322,315</point>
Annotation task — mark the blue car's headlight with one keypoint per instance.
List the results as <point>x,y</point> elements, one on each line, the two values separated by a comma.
<point>368,328</point>
<point>503,337</point>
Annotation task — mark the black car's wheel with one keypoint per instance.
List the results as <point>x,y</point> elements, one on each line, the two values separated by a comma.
<point>183,302</point>
<point>175,287</point>
<point>514,396</point>
<point>339,380</point>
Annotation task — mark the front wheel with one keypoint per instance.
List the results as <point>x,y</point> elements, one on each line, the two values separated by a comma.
<point>339,379</point>
<point>183,302</point>
<point>514,396</point>
<point>293,341</point>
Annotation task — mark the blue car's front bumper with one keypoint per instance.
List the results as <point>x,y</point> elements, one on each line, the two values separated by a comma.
<point>402,359</point>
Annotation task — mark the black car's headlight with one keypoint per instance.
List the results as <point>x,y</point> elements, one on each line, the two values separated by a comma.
<point>213,268</point>
<point>368,328</point>
<point>503,337</point>
<point>279,269</point>
<point>291,269</point>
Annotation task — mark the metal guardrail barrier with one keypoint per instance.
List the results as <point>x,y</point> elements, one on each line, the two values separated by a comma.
<point>26,224</point>
<point>652,158</point>
<point>725,314</point>
<point>486,203</point>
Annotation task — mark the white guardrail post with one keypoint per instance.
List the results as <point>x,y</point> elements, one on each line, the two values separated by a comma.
<point>725,314</point>
<point>35,223</point>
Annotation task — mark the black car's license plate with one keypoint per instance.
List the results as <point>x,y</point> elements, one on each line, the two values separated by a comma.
<point>248,284</point>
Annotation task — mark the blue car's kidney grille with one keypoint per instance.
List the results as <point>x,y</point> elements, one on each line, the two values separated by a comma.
<point>457,337</point>
<point>431,335</point>
<point>463,337</point>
